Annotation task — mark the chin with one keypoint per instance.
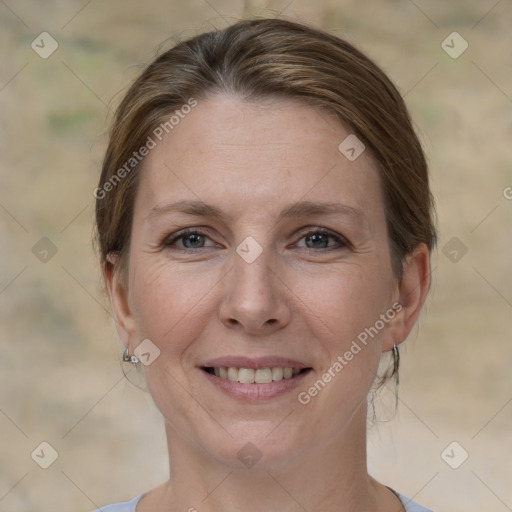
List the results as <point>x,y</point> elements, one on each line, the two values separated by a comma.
<point>253,448</point>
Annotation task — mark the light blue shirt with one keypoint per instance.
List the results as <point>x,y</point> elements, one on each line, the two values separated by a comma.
<point>129,506</point>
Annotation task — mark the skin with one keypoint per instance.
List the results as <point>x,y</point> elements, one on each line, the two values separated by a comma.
<point>299,300</point>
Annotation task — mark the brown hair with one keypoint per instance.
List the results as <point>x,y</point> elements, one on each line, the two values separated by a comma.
<point>255,59</point>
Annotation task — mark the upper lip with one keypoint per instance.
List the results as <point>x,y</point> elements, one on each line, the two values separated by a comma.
<point>254,362</point>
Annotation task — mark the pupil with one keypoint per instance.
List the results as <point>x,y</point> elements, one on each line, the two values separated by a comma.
<point>194,239</point>
<point>319,241</point>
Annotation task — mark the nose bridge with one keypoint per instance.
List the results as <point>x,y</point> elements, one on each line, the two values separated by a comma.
<point>253,273</point>
<point>254,298</point>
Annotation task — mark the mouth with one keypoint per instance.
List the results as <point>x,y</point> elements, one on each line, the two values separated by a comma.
<point>255,376</point>
<point>254,380</point>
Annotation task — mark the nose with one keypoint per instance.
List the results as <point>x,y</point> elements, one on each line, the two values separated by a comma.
<point>255,297</point>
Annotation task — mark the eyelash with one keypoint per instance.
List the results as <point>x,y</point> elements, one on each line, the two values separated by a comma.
<point>169,242</point>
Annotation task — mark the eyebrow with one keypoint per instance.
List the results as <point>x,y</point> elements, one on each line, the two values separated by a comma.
<point>299,209</point>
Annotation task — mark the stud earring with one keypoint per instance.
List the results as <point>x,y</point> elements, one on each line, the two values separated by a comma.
<point>127,358</point>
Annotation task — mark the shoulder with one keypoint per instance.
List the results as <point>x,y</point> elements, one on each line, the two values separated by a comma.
<point>411,506</point>
<point>125,506</point>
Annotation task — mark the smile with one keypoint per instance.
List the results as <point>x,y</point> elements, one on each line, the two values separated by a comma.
<point>255,376</point>
<point>255,384</point>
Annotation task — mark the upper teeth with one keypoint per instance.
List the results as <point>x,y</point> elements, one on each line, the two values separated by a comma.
<point>259,376</point>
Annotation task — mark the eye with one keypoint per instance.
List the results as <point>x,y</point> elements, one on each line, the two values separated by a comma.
<point>190,239</point>
<point>322,239</point>
<point>193,239</point>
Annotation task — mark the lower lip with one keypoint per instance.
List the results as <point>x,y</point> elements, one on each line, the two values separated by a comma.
<point>255,392</point>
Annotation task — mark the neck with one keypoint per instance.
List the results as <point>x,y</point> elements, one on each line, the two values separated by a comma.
<point>330,476</point>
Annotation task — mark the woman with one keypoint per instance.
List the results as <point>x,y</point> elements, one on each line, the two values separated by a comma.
<point>265,225</point>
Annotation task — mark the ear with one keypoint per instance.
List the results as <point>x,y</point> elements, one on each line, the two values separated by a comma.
<point>412,292</point>
<point>119,302</point>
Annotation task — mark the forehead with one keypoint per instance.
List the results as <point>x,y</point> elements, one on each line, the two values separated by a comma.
<point>227,151</point>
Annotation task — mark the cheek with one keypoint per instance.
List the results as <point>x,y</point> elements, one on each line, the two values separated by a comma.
<point>344,302</point>
<point>169,304</point>
<point>169,307</point>
<point>344,306</point>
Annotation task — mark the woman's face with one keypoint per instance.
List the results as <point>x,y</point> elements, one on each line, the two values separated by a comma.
<point>286,265</point>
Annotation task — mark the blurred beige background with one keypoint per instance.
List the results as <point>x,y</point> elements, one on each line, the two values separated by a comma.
<point>60,358</point>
